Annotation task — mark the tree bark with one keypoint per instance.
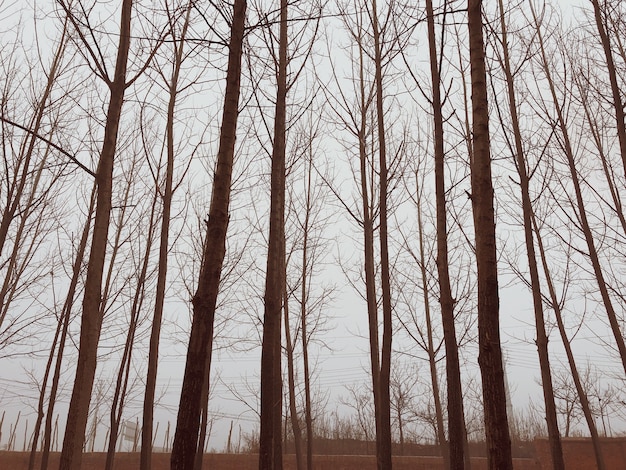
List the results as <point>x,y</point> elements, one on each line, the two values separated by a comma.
<point>490,354</point>
<point>270,439</point>
<point>383,456</point>
<point>554,437</point>
<point>580,205</point>
<point>145,461</point>
<point>456,420</point>
<point>205,300</point>
<point>618,104</point>
<point>91,323</point>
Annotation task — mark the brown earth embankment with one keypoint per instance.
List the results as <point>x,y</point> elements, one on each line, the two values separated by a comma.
<point>578,456</point>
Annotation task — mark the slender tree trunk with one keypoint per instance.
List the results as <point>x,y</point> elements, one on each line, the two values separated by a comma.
<point>91,324</point>
<point>27,149</point>
<point>291,379</point>
<point>65,320</point>
<point>542,338</point>
<point>16,206</point>
<point>10,274</point>
<point>204,413</point>
<point>618,104</point>
<point>205,299</point>
<point>368,245</point>
<point>580,206</point>
<point>384,451</point>
<point>582,394</point>
<point>123,375</point>
<point>155,332</point>
<point>270,445</point>
<point>490,354</point>
<point>596,130</point>
<point>456,420</point>
<point>304,293</point>
<point>432,360</point>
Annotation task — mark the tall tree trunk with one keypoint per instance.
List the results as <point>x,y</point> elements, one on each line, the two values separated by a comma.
<point>432,359</point>
<point>384,399</point>
<point>554,437</point>
<point>368,243</point>
<point>121,385</point>
<point>65,319</point>
<point>580,390</point>
<point>304,294</point>
<point>270,439</point>
<point>618,104</point>
<point>456,420</point>
<point>291,380</point>
<point>204,414</point>
<point>91,323</point>
<point>490,354</point>
<point>145,462</point>
<point>580,205</point>
<point>205,300</point>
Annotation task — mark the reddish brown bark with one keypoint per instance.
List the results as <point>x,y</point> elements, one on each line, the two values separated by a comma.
<point>91,319</point>
<point>270,438</point>
<point>205,299</point>
<point>490,353</point>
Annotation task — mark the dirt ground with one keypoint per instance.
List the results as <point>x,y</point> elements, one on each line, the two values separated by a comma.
<point>578,456</point>
<point>130,461</point>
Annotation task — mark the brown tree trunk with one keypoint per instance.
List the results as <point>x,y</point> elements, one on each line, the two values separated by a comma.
<point>490,354</point>
<point>59,331</point>
<point>383,456</point>
<point>582,394</point>
<point>368,247</point>
<point>270,438</point>
<point>431,351</point>
<point>618,104</point>
<point>456,420</point>
<point>91,324</point>
<point>65,318</point>
<point>580,206</point>
<point>205,299</point>
<point>554,437</point>
<point>204,414</point>
<point>304,293</point>
<point>291,380</point>
<point>145,462</point>
<point>121,385</point>
<point>20,204</point>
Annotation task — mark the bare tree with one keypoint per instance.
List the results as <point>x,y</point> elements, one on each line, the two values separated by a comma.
<point>123,375</point>
<point>91,318</point>
<point>580,390</point>
<point>540,327</point>
<point>579,204</point>
<point>167,195</point>
<point>490,354</point>
<point>456,421</point>
<point>270,448</point>
<point>601,16</point>
<point>383,434</point>
<point>205,299</point>
<point>58,346</point>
